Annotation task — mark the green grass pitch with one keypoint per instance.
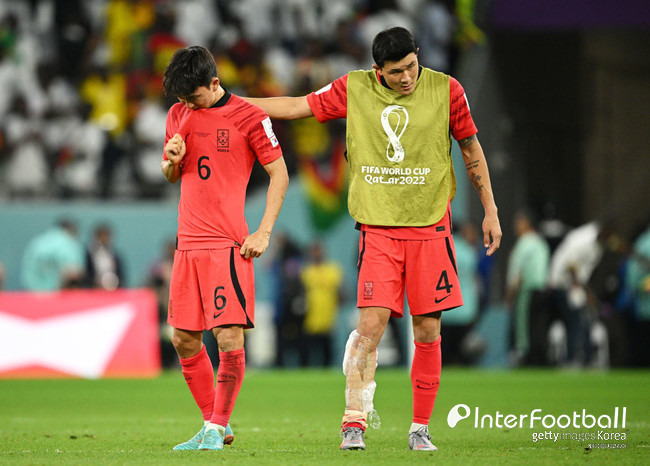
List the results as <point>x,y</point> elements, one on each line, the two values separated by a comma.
<point>293,416</point>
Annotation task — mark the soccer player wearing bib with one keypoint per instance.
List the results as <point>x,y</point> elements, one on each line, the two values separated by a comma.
<point>212,140</point>
<point>400,120</point>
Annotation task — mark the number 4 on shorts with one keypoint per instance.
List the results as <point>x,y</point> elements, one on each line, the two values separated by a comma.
<point>443,283</point>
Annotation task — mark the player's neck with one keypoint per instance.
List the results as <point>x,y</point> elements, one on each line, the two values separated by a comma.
<point>218,94</point>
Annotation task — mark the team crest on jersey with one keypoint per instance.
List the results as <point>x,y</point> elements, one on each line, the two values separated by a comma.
<point>223,139</point>
<point>368,290</point>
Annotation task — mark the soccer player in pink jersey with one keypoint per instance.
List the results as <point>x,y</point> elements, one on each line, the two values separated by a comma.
<point>400,120</point>
<point>212,140</point>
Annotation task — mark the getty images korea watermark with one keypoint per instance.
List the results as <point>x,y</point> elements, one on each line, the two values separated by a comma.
<point>605,424</point>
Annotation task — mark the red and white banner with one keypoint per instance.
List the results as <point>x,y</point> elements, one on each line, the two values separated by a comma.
<point>79,333</point>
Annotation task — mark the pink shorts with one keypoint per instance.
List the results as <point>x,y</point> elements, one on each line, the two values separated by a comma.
<point>211,288</point>
<point>426,268</point>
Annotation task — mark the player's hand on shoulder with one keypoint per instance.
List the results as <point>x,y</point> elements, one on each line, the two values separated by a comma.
<point>254,245</point>
<point>175,149</point>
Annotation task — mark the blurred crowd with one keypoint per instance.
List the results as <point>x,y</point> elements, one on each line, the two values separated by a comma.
<point>576,296</point>
<point>307,297</point>
<point>579,296</point>
<point>82,112</point>
<point>57,259</point>
<point>82,115</point>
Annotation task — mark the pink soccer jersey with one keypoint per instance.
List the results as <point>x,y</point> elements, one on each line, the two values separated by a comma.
<point>222,144</point>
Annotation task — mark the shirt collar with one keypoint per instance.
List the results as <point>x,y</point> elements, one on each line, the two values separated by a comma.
<point>224,99</point>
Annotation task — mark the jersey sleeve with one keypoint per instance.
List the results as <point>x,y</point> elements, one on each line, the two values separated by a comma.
<point>171,126</point>
<point>331,101</point>
<point>262,139</point>
<point>461,123</point>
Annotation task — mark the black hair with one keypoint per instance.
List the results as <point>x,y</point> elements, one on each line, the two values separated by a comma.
<point>68,224</point>
<point>529,215</point>
<point>392,45</point>
<point>189,68</point>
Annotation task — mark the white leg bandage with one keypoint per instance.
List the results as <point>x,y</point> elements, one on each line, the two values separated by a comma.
<point>359,364</point>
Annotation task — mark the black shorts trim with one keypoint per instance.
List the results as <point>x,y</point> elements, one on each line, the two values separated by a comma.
<point>237,287</point>
<point>362,251</point>
<point>450,253</point>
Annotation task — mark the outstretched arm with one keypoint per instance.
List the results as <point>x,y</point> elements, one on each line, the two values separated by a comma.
<point>283,108</point>
<point>478,173</point>
<point>256,243</point>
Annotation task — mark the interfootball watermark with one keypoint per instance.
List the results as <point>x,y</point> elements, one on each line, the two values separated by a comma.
<point>607,430</point>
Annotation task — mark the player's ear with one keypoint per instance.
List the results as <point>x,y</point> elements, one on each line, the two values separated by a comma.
<point>214,84</point>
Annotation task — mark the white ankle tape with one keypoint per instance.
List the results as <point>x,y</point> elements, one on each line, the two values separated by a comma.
<point>360,362</point>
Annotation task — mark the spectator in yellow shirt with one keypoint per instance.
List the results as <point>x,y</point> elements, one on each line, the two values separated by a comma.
<point>322,284</point>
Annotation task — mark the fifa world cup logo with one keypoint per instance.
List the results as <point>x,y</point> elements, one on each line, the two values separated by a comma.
<point>394,127</point>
